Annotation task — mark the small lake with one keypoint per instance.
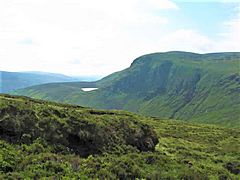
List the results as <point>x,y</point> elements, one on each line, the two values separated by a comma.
<point>89,89</point>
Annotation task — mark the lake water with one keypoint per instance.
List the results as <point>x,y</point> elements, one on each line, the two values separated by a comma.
<point>89,89</point>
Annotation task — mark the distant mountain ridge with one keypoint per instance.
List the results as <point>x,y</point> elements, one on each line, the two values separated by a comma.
<point>76,77</point>
<point>10,81</point>
<point>180,85</point>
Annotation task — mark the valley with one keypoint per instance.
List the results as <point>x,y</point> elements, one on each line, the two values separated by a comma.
<point>173,85</point>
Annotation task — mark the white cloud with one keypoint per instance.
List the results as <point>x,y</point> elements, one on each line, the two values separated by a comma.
<point>185,40</point>
<point>192,40</point>
<point>102,35</point>
<point>231,37</point>
<point>163,4</point>
<point>93,37</point>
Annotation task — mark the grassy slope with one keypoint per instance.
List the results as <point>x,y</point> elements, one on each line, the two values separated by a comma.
<point>185,150</point>
<point>187,86</point>
<point>24,120</point>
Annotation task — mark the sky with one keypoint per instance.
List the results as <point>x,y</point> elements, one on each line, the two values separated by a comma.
<point>99,37</point>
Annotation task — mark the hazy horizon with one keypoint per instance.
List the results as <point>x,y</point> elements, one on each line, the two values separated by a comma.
<point>97,38</point>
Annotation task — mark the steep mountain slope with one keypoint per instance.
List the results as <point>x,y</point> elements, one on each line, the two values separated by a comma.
<point>16,80</point>
<point>179,85</point>
<point>40,139</point>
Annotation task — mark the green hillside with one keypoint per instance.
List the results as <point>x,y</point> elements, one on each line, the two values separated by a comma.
<point>41,139</point>
<point>179,85</point>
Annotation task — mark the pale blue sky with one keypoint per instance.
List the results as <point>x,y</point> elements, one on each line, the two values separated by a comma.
<point>79,37</point>
<point>207,17</point>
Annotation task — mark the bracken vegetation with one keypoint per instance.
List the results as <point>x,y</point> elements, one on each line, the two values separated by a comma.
<point>40,139</point>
